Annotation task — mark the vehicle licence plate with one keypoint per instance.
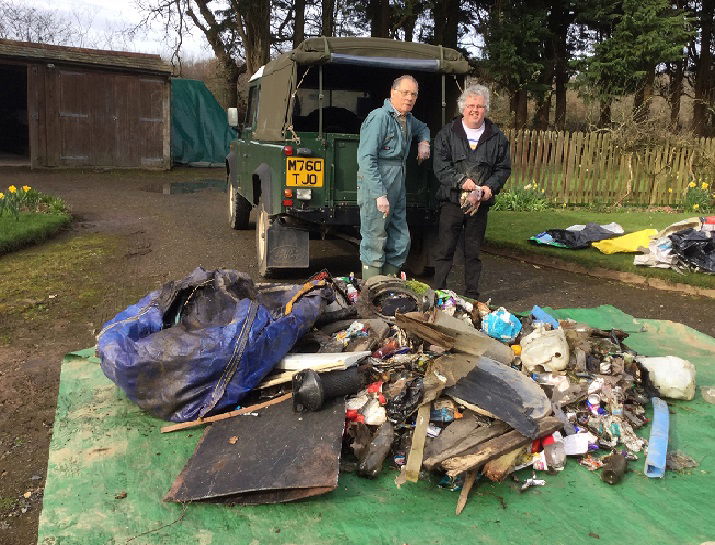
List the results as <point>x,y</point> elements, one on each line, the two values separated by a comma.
<point>303,172</point>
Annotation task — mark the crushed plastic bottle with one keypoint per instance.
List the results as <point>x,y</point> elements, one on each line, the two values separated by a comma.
<point>374,456</point>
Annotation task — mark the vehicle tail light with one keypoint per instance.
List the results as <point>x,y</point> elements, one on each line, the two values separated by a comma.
<point>288,150</point>
<point>288,193</point>
<point>303,193</point>
<point>287,202</point>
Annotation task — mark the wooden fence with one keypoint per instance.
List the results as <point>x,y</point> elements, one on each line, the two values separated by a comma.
<point>583,168</point>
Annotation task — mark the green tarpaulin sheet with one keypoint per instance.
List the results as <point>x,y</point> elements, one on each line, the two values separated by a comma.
<point>199,126</point>
<point>103,445</point>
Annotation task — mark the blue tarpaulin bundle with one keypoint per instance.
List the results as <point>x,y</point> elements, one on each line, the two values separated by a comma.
<point>197,346</point>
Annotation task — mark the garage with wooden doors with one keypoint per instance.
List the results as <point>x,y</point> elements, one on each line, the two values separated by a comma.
<point>71,107</point>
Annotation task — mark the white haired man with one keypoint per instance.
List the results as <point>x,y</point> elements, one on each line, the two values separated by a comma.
<point>471,158</point>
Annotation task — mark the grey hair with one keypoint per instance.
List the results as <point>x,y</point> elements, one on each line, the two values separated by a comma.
<point>474,90</point>
<point>396,83</point>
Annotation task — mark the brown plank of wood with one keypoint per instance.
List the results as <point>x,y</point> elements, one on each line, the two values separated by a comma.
<point>570,146</point>
<point>52,117</point>
<point>126,105</point>
<point>497,447</point>
<point>496,470</point>
<point>231,414</point>
<point>474,439</point>
<point>103,124</point>
<point>466,488</point>
<point>557,162</point>
<point>424,331</point>
<point>75,133</point>
<point>414,459</point>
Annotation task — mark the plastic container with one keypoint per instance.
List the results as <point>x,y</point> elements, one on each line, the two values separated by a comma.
<point>554,451</point>
<point>374,456</point>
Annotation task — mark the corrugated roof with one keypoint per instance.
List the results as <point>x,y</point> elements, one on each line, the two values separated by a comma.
<point>122,60</point>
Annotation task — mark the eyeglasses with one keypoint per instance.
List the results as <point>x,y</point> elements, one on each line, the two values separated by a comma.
<point>476,107</point>
<point>406,93</point>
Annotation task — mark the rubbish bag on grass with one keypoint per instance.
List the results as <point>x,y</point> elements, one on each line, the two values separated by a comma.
<point>198,345</point>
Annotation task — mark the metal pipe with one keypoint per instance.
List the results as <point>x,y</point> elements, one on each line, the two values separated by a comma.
<point>320,102</point>
<point>444,102</point>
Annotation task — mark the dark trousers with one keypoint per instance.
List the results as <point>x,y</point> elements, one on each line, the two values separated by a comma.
<point>451,223</point>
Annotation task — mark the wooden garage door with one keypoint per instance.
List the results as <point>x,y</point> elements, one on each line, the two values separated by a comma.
<point>108,119</point>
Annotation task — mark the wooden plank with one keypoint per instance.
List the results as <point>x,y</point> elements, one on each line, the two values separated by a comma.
<point>414,460</point>
<point>558,164</point>
<point>497,469</point>
<point>569,153</point>
<point>477,437</point>
<point>466,487</point>
<point>231,414</point>
<point>497,447</point>
<point>424,331</point>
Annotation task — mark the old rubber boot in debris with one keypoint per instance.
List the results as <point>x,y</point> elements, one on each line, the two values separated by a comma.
<point>369,271</point>
<point>390,270</point>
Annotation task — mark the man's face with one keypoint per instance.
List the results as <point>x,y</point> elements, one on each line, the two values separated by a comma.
<point>404,97</point>
<point>474,111</point>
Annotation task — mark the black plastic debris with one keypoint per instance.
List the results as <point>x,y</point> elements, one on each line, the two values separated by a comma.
<point>276,457</point>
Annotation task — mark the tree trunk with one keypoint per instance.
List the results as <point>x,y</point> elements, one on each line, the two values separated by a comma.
<point>644,96</point>
<point>677,74</point>
<point>257,44</point>
<point>299,27</point>
<point>327,17</point>
<point>562,19</point>
<point>703,71</point>
<point>543,110</point>
<point>379,14</point>
<point>519,107</point>
<point>409,20</point>
<point>604,113</point>
<point>446,19</point>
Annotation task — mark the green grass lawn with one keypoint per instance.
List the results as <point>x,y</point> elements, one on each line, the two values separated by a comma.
<point>513,229</point>
<point>29,229</point>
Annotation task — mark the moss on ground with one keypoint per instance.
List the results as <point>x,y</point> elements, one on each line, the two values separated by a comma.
<point>59,280</point>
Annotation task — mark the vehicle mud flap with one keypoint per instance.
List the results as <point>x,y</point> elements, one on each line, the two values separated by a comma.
<point>287,247</point>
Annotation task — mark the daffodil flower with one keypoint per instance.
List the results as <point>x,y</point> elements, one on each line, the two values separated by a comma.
<point>670,190</point>
<point>703,186</point>
<point>696,206</point>
<point>12,189</point>
<point>2,196</point>
<point>542,190</point>
<point>26,188</point>
<point>691,184</point>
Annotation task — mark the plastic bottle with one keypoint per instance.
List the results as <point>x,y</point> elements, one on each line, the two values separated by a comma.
<point>386,350</point>
<point>374,455</point>
<point>352,294</point>
<point>554,451</point>
<point>613,468</point>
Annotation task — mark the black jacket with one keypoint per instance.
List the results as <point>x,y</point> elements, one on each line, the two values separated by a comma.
<point>454,161</point>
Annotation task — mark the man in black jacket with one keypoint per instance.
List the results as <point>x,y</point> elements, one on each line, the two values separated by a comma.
<point>471,162</point>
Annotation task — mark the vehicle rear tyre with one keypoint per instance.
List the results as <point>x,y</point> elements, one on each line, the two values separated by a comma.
<point>263,222</point>
<point>239,209</point>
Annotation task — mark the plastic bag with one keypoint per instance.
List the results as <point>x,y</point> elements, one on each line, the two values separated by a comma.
<point>502,325</point>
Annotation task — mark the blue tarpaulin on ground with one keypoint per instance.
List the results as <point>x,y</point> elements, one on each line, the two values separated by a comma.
<point>199,126</point>
<point>197,346</point>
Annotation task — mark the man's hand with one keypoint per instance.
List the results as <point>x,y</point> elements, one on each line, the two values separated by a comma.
<point>469,185</point>
<point>486,193</point>
<point>383,205</point>
<point>422,151</point>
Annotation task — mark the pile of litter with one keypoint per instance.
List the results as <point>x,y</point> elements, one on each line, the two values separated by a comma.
<point>686,245</point>
<point>382,373</point>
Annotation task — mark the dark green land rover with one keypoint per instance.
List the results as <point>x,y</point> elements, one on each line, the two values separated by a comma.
<point>296,155</point>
